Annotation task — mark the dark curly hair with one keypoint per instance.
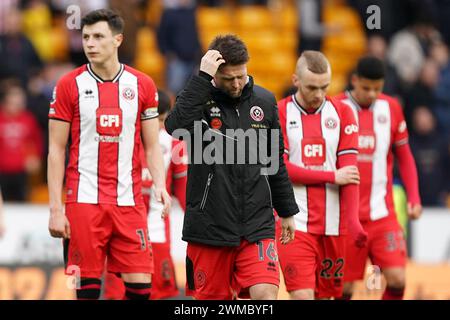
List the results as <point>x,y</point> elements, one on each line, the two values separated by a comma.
<point>233,50</point>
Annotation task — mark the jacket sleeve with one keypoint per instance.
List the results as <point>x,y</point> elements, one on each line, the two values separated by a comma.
<point>189,105</point>
<point>282,193</point>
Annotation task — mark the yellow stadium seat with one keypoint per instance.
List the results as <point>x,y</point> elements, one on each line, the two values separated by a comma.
<point>266,40</point>
<point>39,194</point>
<point>253,17</point>
<point>338,84</point>
<point>214,18</point>
<point>153,64</point>
<point>146,39</point>
<point>287,18</point>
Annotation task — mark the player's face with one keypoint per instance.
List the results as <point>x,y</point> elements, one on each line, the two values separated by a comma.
<point>366,91</point>
<point>99,42</point>
<point>231,79</point>
<point>312,87</point>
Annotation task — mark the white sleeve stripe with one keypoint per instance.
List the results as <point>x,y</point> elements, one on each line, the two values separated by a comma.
<point>347,152</point>
<point>149,117</point>
<point>180,175</point>
<point>286,151</point>
<point>401,142</point>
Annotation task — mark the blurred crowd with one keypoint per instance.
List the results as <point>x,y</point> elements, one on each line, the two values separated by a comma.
<point>413,41</point>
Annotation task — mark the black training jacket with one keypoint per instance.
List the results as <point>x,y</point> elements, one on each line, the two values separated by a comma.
<point>228,202</point>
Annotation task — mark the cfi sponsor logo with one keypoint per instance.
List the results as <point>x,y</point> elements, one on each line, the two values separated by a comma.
<point>257,113</point>
<point>351,128</point>
<point>330,123</point>
<point>129,94</point>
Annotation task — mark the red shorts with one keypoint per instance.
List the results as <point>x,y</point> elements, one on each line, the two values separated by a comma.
<point>107,231</point>
<point>313,262</point>
<point>386,248</point>
<point>222,273</point>
<point>164,283</point>
<point>163,280</point>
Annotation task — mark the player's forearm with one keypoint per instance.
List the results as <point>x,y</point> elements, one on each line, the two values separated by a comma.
<point>55,177</point>
<point>156,165</point>
<point>408,172</point>
<point>299,175</point>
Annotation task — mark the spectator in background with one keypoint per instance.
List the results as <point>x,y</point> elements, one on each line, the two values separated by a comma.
<point>2,219</point>
<point>178,41</point>
<point>423,91</point>
<point>409,48</point>
<point>440,54</point>
<point>5,7</point>
<point>18,58</point>
<point>133,20</point>
<point>39,93</point>
<point>20,144</point>
<point>76,53</point>
<point>431,151</point>
<point>377,47</point>
<point>312,30</point>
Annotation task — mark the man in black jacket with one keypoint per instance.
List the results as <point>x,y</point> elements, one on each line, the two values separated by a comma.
<point>229,222</point>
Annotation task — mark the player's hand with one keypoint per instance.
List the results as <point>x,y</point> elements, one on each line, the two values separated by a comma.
<point>347,175</point>
<point>163,197</point>
<point>358,234</point>
<point>287,230</point>
<point>58,225</point>
<point>211,62</point>
<point>414,211</point>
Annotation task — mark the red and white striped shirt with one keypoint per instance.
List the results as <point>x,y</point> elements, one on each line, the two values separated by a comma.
<point>175,164</point>
<point>381,126</point>
<point>105,117</point>
<point>316,141</point>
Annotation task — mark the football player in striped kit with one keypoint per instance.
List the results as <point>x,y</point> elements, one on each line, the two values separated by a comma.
<point>104,107</point>
<point>321,141</point>
<point>382,136</point>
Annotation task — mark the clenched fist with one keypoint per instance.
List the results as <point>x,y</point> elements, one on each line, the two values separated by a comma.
<point>211,62</point>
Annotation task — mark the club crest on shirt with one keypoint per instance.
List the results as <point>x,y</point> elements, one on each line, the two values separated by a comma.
<point>382,119</point>
<point>128,93</point>
<point>216,123</point>
<point>330,123</point>
<point>257,113</point>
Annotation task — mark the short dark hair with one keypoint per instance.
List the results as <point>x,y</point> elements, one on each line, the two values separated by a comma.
<point>163,102</point>
<point>114,20</point>
<point>233,50</point>
<point>370,67</point>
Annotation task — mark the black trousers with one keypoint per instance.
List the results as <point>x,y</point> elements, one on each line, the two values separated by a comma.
<point>14,186</point>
